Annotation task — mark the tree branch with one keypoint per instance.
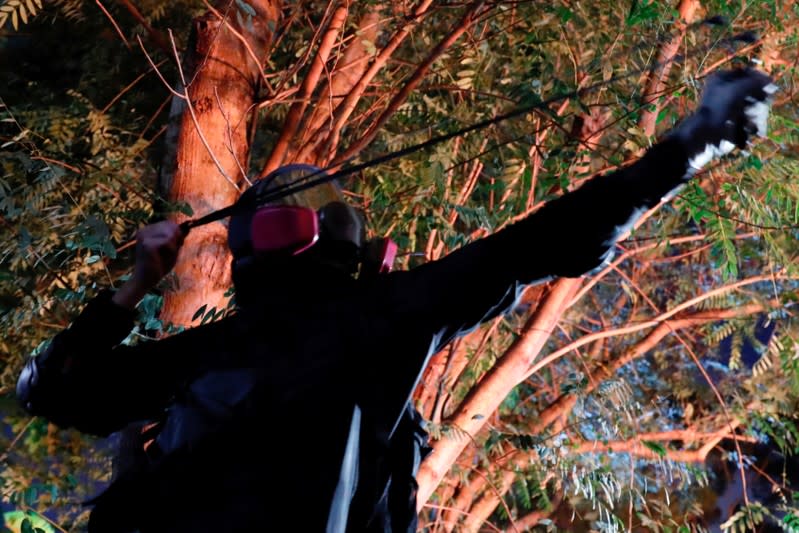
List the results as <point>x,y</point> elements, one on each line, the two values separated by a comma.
<point>532,519</point>
<point>292,122</point>
<point>347,106</point>
<point>349,68</point>
<point>603,370</point>
<point>114,23</point>
<point>155,35</point>
<point>665,59</point>
<point>485,398</point>
<point>637,447</point>
<point>662,319</point>
<point>466,22</point>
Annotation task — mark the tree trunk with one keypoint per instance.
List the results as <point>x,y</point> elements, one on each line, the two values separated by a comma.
<point>221,83</point>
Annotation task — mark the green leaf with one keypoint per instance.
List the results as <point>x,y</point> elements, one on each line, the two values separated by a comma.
<point>564,13</point>
<point>656,447</point>
<point>754,162</point>
<point>645,11</point>
<point>27,527</point>
<point>247,8</point>
<point>209,316</point>
<point>199,312</point>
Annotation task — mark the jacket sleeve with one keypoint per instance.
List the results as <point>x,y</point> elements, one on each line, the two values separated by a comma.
<point>87,380</point>
<point>568,237</point>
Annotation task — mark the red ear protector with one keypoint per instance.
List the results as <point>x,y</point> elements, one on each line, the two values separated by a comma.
<point>284,229</point>
<point>379,255</point>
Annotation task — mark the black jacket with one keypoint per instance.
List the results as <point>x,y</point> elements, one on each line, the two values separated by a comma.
<point>258,408</point>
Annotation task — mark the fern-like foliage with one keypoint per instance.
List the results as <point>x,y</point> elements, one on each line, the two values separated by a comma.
<point>71,10</point>
<point>746,519</point>
<point>17,11</point>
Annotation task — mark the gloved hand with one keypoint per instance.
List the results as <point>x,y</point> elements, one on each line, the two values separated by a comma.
<point>157,247</point>
<point>734,106</point>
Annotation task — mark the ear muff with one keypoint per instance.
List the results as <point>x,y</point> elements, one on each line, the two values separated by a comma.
<point>284,229</point>
<point>240,225</point>
<point>340,222</point>
<point>378,257</point>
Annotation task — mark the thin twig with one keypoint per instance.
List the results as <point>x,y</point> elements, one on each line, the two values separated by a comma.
<point>661,319</point>
<point>229,133</point>
<point>466,22</point>
<point>190,107</point>
<point>114,23</point>
<point>727,415</point>
<point>67,166</point>
<point>498,494</point>
<point>16,438</point>
<point>668,241</point>
<point>128,87</point>
<point>158,72</point>
<point>156,36</point>
<point>154,116</point>
<point>461,511</point>
<point>211,45</point>
<point>707,378</point>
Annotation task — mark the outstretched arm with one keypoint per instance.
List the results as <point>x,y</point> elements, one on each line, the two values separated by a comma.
<point>576,233</point>
<point>84,379</point>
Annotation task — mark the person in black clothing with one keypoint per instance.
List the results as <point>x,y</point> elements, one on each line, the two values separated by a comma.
<point>294,414</point>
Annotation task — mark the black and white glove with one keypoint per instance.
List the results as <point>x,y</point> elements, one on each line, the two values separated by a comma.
<point>735,105</point>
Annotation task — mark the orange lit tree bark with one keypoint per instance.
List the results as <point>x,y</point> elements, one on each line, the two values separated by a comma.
<point>212,149</point>
<point>337,67</point>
